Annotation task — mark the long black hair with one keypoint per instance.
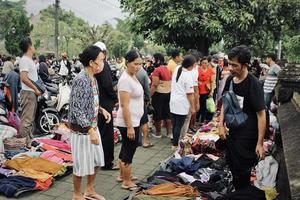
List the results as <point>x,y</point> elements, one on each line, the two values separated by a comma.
<point>187,62</point>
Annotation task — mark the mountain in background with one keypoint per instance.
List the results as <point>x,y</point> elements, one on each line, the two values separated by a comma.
<point>95,12</point>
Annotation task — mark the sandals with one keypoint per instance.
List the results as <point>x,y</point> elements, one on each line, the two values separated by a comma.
<point>133,178</point>
<point>148,145</point>
<point>93,197</point>
<point>130,188</point>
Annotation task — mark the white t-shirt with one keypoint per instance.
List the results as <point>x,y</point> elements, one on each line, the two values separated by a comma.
<point>179,103</point>
<point>63,71</point>
<point>131,85</point>
<point>195,75</point>
<point>27,65</point>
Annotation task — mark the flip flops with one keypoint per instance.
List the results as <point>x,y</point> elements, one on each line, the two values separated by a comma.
<point>148,146</point>
<point>133,178</point>
<point>130,188</point>
<point>93,197</point>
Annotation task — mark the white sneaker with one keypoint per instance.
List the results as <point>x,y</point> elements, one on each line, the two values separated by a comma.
<point>156,136</point>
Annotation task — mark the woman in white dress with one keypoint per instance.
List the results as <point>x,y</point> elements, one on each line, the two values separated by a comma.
<point>86,143</point>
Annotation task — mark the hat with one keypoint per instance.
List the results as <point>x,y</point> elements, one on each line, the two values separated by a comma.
<point>101,45</point>
<point>64,55</point>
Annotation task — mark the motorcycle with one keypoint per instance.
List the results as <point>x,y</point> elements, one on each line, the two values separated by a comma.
<point>46,117</point>
<point>62,104</point>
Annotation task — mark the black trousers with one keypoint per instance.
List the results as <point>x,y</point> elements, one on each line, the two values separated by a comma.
<point>178,121</point>
<point>107,137</point>
<point>241,157</point>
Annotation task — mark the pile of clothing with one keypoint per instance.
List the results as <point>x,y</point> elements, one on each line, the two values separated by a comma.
<point>26,170</point>
<point>198,170</point>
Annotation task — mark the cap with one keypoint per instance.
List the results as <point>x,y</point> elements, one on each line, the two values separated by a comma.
<point>101,45</point>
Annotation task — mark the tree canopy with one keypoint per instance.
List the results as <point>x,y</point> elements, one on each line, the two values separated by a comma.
<point>198,24</point>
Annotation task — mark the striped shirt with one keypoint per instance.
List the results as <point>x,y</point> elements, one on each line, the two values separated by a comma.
<point>271,79</point>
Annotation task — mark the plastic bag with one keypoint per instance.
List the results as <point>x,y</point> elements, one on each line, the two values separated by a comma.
<point>210,105</point>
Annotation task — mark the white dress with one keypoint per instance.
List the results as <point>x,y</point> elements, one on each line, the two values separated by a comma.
<point>86,156</point>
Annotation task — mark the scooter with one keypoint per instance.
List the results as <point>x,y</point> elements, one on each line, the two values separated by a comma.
<point>46,117</point>
<point>62,105</point>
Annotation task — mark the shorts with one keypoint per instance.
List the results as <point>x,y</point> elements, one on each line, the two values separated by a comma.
<point>128,147</point>
<point>144,119</point>
<point>160,103</point>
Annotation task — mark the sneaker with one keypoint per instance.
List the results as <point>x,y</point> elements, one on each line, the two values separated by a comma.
<point>156,136</point>
<point>170,136</point>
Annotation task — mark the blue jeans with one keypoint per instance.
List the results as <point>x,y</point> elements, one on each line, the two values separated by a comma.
<point>178,121</point>
<point>268,99</point>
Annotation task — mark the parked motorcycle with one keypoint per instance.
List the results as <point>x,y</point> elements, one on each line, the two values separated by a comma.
<point>46,114</point>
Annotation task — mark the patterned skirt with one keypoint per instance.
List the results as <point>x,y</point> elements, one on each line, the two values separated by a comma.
<point>86,156</point>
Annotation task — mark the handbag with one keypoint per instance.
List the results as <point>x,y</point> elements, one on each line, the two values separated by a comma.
<point>39,85</point>
<point>210,105</point>
<point>233,114</point>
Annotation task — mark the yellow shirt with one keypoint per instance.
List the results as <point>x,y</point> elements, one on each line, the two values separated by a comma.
<point>172,66</point>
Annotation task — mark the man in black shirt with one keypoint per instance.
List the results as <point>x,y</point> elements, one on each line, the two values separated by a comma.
<point>107,100</point>
<point>244,145</point>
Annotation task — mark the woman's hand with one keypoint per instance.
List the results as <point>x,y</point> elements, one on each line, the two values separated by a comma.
<point>94,137</point>
<point>130,133</point>
<point>106,115</point>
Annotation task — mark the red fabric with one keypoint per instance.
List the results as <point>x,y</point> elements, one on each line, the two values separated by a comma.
<point>43,185</point>
<point>203,79</point>
<point>162,73</point>
<point>55,143</point>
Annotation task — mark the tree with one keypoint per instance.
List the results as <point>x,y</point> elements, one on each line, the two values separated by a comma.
<point>7,7</point>
<point>197,24</point>
<point>18,28</point>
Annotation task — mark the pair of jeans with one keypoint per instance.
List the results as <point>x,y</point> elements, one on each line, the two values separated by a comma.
<point>178,121</point>
<point>268,99</point>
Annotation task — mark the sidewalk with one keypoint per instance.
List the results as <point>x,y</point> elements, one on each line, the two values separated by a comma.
<point>144,163</point>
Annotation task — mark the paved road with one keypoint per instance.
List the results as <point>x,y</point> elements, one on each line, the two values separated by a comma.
<point>144,163</point>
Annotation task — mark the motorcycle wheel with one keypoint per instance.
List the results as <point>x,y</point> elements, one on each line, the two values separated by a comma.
<point>47,122</point>
<point>63,114</point>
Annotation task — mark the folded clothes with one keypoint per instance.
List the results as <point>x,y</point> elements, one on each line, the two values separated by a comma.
<point>149,197</point>
<point>43,185</point>
<point>37,175</point>
<point>38,164</point>
<point>7,172</point>
<point>56,156</point>
<point>172,190</point>
<point>55,143</point>
<point>15,185</point>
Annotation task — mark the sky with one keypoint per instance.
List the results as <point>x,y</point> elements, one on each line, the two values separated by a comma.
<point>95,12</point>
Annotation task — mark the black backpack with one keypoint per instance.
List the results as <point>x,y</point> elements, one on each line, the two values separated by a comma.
<point>234,116</point>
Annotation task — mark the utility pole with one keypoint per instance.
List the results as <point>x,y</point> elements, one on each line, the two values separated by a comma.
<point>56,27</point>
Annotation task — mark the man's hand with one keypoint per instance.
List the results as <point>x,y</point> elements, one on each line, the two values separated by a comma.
<point>222,132</point>
<point>37,92</point>
<point>106,115</point>
<point>130,133</point>
<point>260,152</point>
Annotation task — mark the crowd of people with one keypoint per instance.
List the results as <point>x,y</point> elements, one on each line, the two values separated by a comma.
<point>175,92</point>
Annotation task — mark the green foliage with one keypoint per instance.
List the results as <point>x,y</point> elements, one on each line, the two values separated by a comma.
<point>17,29</point>
<point>291,47</point>
<point>198,24</point>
